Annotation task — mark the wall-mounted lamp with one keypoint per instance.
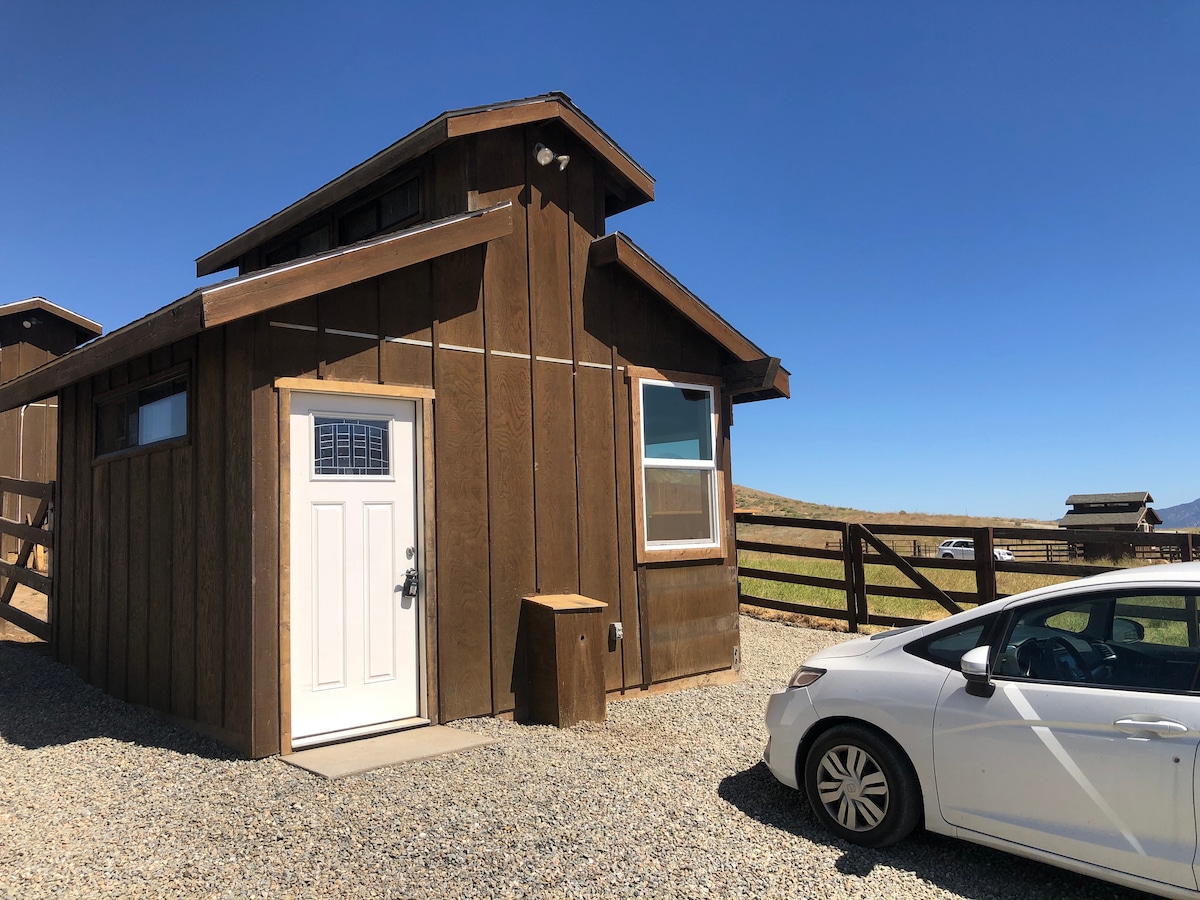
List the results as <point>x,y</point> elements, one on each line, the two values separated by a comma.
<point>544,155</point>
<point>31,321</point>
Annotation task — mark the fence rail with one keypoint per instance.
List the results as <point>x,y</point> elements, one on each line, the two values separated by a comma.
<point>36,532</point>
<point>1036,551</point>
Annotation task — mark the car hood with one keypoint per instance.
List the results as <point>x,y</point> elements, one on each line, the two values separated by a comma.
<point>864,645</point>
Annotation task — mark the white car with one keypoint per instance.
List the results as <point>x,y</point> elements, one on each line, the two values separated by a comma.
<point>1061,724</point>
<point>964,548</point>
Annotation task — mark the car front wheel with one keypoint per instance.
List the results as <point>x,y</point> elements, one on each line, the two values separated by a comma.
<point>861,787</point>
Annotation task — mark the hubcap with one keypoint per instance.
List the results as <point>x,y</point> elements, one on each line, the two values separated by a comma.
<point>852,787</point>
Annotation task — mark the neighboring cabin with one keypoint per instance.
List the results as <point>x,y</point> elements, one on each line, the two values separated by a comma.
<point>1128,511</point>
<point>32,332</point>
<point>305,504</point>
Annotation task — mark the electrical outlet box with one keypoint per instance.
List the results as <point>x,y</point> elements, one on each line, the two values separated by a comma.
<point>616,631</point>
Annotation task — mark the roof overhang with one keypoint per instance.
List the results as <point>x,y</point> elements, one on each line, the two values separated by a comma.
<point>91,329</point>
<point>634,185</point>
<point>218,304</point>
<point>756,376</point>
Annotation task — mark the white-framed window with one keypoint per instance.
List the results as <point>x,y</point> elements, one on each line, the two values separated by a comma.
<point>678,477</point>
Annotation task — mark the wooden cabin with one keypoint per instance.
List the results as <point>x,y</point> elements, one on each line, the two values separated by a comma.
<point>306,503</point>
<point>32,332</point>
<point>1129,511</point>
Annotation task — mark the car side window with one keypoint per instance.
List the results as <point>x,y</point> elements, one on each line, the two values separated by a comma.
<point>1146,641</point>
<point>947,647</point>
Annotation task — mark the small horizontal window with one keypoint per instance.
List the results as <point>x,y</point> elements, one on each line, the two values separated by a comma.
<point>148,416</point>
<point>397,206</point>
<point>309,244</point>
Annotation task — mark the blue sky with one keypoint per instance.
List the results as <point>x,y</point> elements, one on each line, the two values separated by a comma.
<point>968,229</point>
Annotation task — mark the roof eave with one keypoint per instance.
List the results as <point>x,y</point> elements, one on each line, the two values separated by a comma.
<point>449,125</point>
<point>618,249</point>
<point>83,323</point>
<point>219,304</point>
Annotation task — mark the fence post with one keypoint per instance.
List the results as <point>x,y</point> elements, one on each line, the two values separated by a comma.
<point>859,595</point>
<point>1185,550</point>
<point>985,565</point>
<point>848,569</point>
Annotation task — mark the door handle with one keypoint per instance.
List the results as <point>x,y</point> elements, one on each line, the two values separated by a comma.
<point>409,588</point>
<point>1136,725</point>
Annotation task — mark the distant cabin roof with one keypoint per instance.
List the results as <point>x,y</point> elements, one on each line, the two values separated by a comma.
<point>636,184</point>
<point>1129,497</point>
<point>1111,519</point>
<point>86,326</point>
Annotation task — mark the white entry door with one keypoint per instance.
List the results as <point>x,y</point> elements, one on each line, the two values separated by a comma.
<point>355,629</point>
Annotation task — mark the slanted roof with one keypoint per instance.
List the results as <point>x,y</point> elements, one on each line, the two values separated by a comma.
<point>217,304</point>
<point>88,328</point>
<point>1128,497</point>
<point>635,184</point>
<point>772,379</point>
<point>1110,519</point>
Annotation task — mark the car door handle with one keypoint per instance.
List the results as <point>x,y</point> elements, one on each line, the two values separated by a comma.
<point>1164,727</point>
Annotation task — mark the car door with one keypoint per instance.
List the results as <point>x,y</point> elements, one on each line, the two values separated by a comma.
<point>1087,746</point>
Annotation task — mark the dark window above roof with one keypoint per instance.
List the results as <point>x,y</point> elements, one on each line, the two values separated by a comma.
<point>399,206</point>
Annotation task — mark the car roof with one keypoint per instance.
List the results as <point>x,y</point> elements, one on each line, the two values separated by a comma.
<point>1167,575</point>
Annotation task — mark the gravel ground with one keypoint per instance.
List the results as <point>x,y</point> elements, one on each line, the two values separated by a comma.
<point>668,798</point>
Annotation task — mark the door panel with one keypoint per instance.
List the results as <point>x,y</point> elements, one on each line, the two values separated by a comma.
<point>356,640</point>
<point>329,595</point>
<point>380,543</point>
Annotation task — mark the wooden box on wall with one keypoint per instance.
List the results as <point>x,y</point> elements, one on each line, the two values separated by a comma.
<point>564,644</point>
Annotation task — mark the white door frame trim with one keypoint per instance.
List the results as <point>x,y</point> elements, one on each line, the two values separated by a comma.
<point>423,397</point>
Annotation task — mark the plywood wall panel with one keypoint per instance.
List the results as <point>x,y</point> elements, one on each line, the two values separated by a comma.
<point>99,530</point>
<point>210,524</point>
<point>138,580</point>
<point>183,583</point>
<point>406,315</point>
<point>66,528</point>
<point>464,613</point>
<point>265,634</point>
<point>237,530</point>
<point>293,350</point>
<point>81,556</point>
<point>117,524</point>
<point>691,619</point>
<point>510,512</point>
<point>354,308</point>
<point>161,496</point>
<point>500,162</point>
<point>464,626</point>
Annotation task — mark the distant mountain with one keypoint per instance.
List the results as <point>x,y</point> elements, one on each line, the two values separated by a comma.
<point>1185,515</point>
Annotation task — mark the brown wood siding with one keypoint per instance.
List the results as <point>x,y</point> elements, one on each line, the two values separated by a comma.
<point>555,495</point>
<point>690,618</point>
<point>500,164</point>
<point>29,435</point>
<point>464,614</point>
<point>155,564</point>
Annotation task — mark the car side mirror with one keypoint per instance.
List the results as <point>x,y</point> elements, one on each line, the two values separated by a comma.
<point>974,665</point>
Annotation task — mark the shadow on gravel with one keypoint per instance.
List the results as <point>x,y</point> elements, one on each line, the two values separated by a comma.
<point>44,704</point>
<point>959,867</point>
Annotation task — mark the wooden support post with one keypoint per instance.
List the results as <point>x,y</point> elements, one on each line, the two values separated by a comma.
<point>848,569</point>
<point>985,565</point>
<point>1185,550</point>
<point>860,575</point>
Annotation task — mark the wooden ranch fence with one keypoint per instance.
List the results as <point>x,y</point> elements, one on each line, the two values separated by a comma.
<point>34,533</point>
<point>858,546</point>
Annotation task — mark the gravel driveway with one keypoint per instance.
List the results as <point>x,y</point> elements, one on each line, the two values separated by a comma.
<point>668,798</point>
